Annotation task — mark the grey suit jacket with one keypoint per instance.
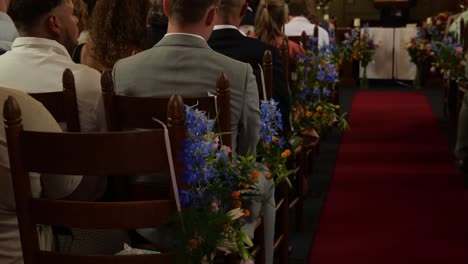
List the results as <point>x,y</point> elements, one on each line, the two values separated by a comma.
<point>185,65</point>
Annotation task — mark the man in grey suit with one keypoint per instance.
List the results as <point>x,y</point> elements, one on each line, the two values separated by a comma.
<point>182,63</point>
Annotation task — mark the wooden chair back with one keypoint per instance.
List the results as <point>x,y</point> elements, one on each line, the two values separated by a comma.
<point>264,77</point>
<point>62,105</point>
<point>129,112</point>
<point>302,39</point>
<point>284,54</point>
<point>97,154</point>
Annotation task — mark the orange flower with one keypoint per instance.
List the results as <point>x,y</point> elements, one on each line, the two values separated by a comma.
<point>319,108</point>
<point>275,140</point>
<point>235,195</point>
<point>317,115</point>
<point>254,174</point>
<point>324,115</point>
<point>308,113</point>
<point>268,176</point>
<point>286,154</point>
<point>246,213</point>
<point>193,243</point>
<point>236,204</point>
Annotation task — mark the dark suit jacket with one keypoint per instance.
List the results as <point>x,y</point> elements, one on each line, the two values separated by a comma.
<point>232,43</point>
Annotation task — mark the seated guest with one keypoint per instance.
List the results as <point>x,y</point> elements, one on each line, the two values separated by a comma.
<point>269,21</point>
<point>182,63</point>
<point>48,32</point>
<point>299,23</point>
<point>248,19</point>
<point>157,24</point>
<point>226,39</point>
<point>8,31</point>
<point>117,30</point>
<point>455,26</point>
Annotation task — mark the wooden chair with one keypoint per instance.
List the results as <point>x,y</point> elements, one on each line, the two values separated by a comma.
<point>264,77</point>
<point>114,153</point>
<point>62,105</point>
<point>129,112</point>
<point>123,112</point>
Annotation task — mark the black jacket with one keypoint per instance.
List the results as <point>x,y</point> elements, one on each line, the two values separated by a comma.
<point>232,43</point>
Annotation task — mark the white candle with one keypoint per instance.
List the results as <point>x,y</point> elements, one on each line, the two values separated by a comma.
<point>357,22</point>
<point>326,17</point>
<point>429,20</point>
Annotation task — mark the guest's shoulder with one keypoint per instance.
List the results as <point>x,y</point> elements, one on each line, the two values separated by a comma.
<point>225,60</point>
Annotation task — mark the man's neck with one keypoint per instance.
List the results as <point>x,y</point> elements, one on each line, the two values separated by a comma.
<point>4,5</point>
<point>195,30</point>
<point>229,21</point>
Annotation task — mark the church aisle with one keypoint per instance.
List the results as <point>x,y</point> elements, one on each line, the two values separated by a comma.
<point>396,196</point>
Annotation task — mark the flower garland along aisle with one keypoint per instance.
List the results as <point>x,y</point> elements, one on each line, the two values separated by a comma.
<point>220,187</point>
<point>360,47</point>
<point>419,50</point>
<point>312,108</point>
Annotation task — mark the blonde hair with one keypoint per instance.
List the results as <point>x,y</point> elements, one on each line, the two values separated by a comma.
<point>269,20</point>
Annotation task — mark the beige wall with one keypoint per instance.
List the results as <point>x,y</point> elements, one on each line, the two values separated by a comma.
<point>347,10</point>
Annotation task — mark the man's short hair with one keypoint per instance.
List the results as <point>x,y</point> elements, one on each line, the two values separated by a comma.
<point>229,8</point>
<point>297,8</point>
<point>25,13</point>
<point>188,11</point>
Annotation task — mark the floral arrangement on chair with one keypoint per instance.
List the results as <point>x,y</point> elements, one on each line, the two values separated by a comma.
<point>449,58</point>
<point>437,29</point>
<point>271,148</point>
<point>317,74</point>
<point>217,188</point>
<point>419,50</point>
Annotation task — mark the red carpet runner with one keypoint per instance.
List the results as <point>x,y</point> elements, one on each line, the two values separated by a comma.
<point>396,196</point>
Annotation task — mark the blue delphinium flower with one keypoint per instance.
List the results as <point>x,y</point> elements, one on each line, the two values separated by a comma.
<point>197,122</point>
<point>270,119</point>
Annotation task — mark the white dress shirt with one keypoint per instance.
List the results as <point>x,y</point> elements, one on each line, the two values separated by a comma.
<point>8,31</point>
<point>36,65</point>
<point>298,24</point>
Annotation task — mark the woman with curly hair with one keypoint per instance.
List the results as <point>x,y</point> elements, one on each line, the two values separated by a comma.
<point>269,22</point>
<point>117,30</point>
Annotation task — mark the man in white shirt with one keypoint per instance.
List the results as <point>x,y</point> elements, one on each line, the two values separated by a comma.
<point>41,54</point>
<point>8,31</point>
<point>298,23</point>
<point>36,63</point>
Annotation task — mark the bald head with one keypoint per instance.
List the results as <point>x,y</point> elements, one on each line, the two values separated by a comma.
<point>231,12</point>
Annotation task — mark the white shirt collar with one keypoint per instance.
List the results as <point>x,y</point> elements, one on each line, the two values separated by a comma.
<point>299,19</point>
<point>40,43</point>
<point>217,27</point>
<point>186,34</point>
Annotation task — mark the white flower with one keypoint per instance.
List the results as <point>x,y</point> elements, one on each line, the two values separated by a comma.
<point>235,213</point>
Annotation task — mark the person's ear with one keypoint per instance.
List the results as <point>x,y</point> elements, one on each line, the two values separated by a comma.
<point>210,17</point>
<point>54,25</point>
<point>244,8</point>
<point>166,7</point>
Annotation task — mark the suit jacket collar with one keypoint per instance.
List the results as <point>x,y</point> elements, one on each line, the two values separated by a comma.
<point>183,40</point>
